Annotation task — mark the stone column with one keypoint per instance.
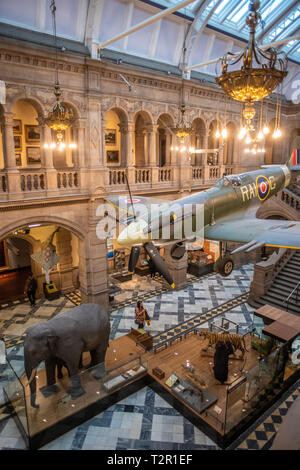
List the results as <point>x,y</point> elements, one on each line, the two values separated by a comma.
<point>8,141</point>
<point>64,251</point>
<point>177,268</point>
<point>152,146</point>
<point>79,160</point>
<point>205,145</point>
<point>102,161</point>
<point>130,135</point>
<point>13,175</point>
<point>93,273</point>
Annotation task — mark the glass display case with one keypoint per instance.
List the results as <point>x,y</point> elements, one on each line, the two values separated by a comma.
<point>58,410</point>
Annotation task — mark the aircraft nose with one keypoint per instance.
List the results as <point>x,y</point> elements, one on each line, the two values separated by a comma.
<point>133,234</point>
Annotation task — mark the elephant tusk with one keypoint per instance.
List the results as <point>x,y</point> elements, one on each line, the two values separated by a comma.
<point>32,376</point>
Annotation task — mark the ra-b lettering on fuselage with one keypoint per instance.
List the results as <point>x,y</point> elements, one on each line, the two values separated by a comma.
<point>261,188</point>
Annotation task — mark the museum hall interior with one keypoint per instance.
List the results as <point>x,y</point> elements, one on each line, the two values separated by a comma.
<point>149,225</point>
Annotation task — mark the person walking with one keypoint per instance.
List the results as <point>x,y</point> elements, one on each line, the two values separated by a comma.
<point>141,315</point>
<point>30,288</point>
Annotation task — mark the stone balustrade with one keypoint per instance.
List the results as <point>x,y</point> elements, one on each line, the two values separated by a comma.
<point>67,179</point>
<point>214,172</point>
<point>143,175</point>
<point>3,183</point>
<point>117,177</point>
<point>33,181</point>
<point>165,174</point>
<point>290,198</point>
<point>197,173</point>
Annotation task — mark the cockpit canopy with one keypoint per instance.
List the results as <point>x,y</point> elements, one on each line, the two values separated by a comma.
<point>233,181</point>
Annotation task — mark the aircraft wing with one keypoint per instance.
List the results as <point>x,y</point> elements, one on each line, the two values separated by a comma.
<point>255,233</point>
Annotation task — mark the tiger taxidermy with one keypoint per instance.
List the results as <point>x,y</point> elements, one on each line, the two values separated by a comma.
<point>237,341</point>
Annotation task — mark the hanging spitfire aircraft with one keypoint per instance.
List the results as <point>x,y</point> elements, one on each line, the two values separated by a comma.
<point>224,213</point>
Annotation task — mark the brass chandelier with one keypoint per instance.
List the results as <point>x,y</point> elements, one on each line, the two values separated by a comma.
<point>258,76</point>
<point>182,129</point>
<point>59,118</point>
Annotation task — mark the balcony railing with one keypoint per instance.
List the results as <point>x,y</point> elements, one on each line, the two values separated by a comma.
<point>143,175</point>
<point>67,179</point>
<point>117,177</point>
<point>214,172</point>
<point>165,174</point>
<point>197,173</point>
<point>33,181</point>
<point>3,183</point>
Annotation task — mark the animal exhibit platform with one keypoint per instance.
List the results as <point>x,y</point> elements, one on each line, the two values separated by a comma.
<point>185,379</point>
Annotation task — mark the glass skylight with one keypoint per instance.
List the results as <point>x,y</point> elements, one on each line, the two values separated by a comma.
<point>239,12</point>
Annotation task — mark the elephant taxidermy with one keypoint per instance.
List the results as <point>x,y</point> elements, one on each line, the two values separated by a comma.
<point>62,340</point>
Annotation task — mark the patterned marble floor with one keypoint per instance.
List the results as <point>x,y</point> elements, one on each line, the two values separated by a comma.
<point>143,420</point>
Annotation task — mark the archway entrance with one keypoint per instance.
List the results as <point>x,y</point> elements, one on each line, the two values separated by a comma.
<point>15,266</point>
<point>17,256</point>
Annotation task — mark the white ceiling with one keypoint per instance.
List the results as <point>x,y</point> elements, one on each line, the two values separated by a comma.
<point>207,28</point>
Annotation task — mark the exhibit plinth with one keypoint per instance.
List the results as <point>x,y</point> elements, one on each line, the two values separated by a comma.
<point>175,369</point>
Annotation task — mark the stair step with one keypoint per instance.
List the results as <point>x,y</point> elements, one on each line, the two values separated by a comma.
<point>281,298</point>
<point>285,282</point>
<point>270,301</point>
<point>285,290</point>
<point>293,264</point>
<point>290,273</point>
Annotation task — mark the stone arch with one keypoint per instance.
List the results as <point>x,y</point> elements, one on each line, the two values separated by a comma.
<point>44,220</point>
<point>164,138</point>
<point>31,99</point>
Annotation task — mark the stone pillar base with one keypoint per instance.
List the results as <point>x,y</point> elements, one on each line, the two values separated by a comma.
<point>66,280</point>
<point>100,298</point>
<point>177,268</point>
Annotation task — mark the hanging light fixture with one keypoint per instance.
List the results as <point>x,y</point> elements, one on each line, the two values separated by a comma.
<point>258,77</point>
<point>59,118</point>
<point>182,129</point>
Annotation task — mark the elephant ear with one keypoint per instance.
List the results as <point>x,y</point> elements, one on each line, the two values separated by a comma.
<point>52,341</point>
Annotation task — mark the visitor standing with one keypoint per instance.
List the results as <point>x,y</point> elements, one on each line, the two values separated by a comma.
<point>30,288</point>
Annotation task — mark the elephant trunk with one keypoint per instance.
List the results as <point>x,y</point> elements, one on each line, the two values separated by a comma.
<point>31,373</point>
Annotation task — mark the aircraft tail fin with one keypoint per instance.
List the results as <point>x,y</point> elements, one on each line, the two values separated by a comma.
<point>295,157</point>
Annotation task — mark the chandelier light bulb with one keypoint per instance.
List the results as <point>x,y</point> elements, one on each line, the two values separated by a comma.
<point>266,130</point>
<point>248,139</point>
<point>46,146</point>
<point>172,148</point>
<point>260,135</point>
<point>254,151</point>
<point>224,133</point>
<point>218,135</point>
<point>247,150</point>
<point>177,148</point>
<point>53,145</point>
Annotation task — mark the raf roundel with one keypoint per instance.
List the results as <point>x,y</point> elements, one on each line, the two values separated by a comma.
<point>263,187</point>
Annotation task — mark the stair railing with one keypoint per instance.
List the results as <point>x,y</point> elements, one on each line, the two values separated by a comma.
<point>294,291</point>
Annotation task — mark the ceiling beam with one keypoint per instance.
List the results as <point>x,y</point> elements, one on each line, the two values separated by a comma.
<point>145,23</point>
<point>234,56</point>
<point>196,29</point>
<point>285,12</point>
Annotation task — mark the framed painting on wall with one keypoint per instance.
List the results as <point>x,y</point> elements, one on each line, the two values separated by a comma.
<point>18,159</point>
<point>112,157</point>
<point>18,142</point>
<point>33,155</point>
<point>110,136</point>
<point>32,133</point>
<point>17,126</point>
